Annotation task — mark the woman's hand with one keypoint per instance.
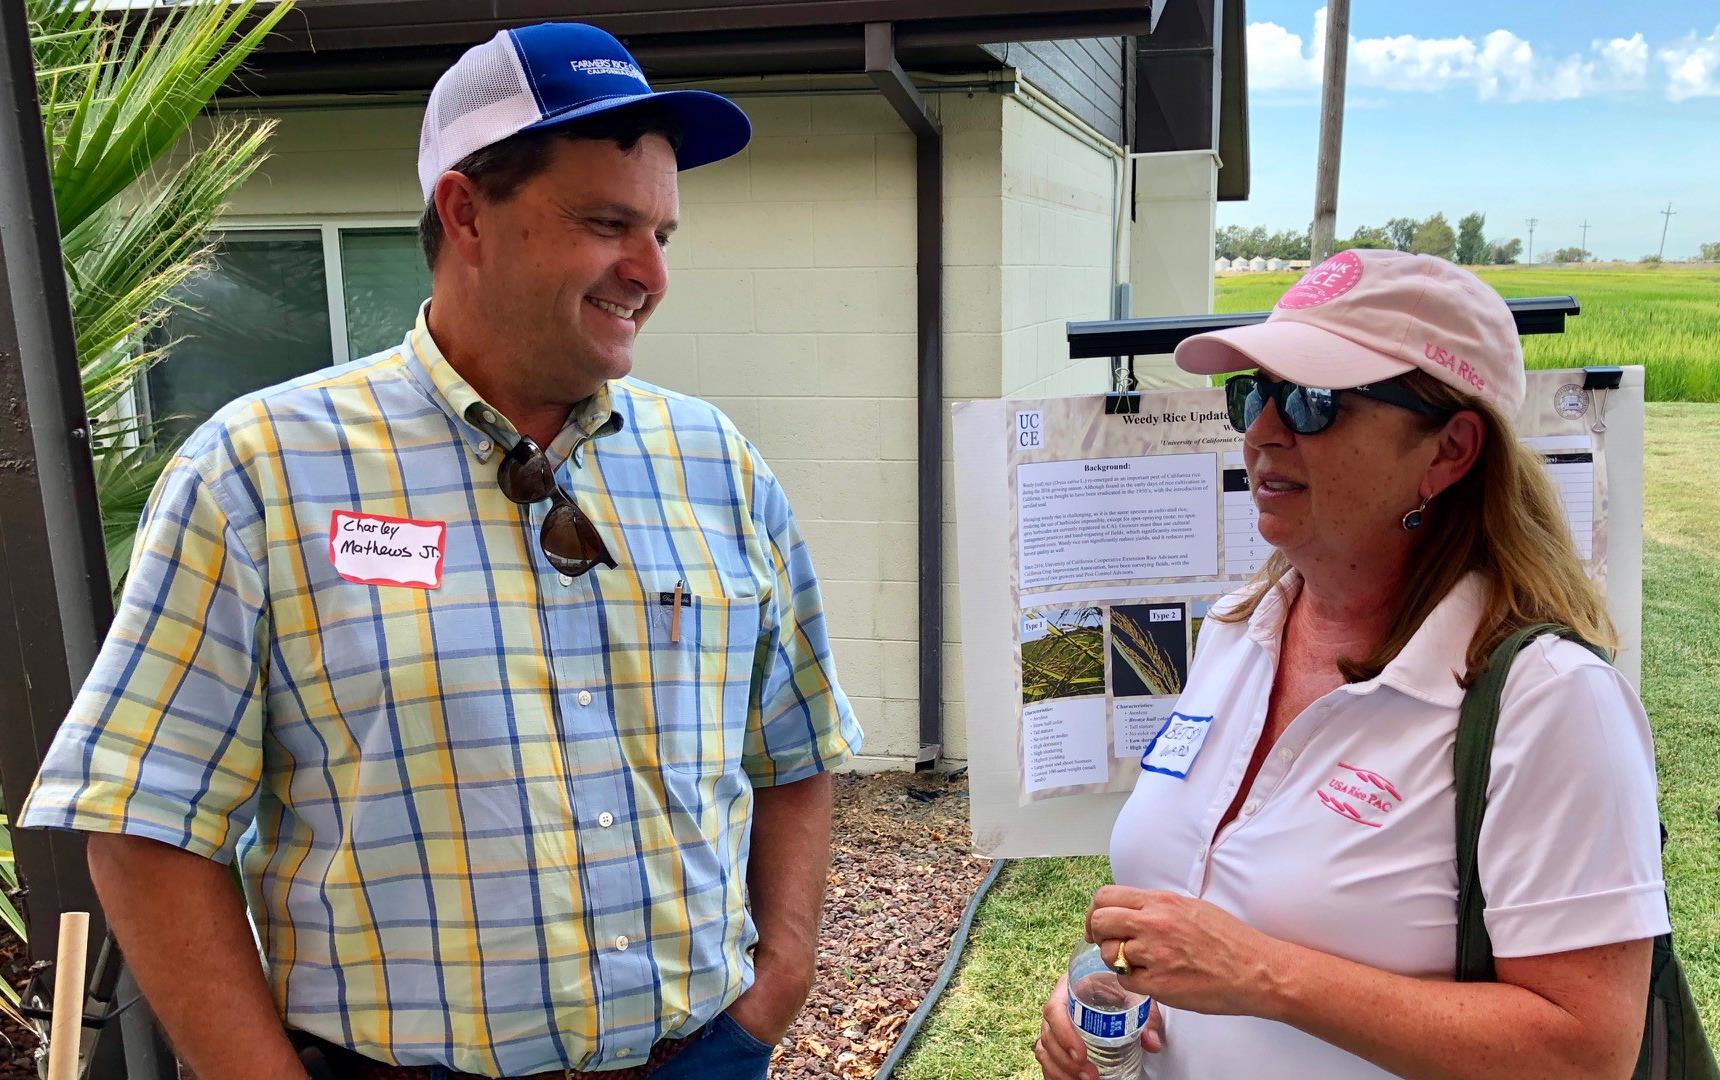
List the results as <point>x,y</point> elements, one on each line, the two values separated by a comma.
<point>1061,1053</point>
<point>1188,953</point>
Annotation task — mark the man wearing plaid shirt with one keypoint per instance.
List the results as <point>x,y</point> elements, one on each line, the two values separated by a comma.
<point>489,664</point>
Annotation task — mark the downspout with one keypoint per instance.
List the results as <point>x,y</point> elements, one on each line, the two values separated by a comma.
<point>884,70</point>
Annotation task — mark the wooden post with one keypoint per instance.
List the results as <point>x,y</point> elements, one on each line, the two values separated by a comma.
<point>1331,127</point>
<point>66,1035</point>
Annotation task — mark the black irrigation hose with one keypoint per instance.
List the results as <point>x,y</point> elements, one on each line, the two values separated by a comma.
<point>958,945</point>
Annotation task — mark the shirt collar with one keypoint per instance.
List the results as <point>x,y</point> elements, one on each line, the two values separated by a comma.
<point>1429,664</point>
<point>484,428</point>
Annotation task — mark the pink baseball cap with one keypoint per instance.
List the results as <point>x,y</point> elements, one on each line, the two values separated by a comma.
<point>1364,316</point>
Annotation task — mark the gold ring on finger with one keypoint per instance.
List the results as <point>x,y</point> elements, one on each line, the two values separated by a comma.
<point>1121,964</point>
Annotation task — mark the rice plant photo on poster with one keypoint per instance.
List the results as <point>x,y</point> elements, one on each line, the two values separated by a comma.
<point>1149,650</point>
<point>1062,653</point>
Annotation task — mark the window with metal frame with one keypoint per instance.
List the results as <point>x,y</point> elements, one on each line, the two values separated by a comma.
<point>278,302</point>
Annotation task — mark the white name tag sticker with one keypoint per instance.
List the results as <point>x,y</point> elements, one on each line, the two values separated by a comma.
<point>375,550</point>
<point>1173,750</point>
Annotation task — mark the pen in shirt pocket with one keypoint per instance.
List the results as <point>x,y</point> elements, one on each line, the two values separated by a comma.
<point>675,601</point>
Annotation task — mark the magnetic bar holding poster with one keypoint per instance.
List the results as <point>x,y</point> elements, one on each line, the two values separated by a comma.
<point>1091,545</point>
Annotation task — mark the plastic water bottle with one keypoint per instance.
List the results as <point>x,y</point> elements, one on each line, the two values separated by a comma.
<point>1108,1016</point>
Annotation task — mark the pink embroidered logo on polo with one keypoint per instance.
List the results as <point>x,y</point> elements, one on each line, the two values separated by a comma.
<point>1359,795</point>
<point>1373,778</point>
<point>1325,283</point>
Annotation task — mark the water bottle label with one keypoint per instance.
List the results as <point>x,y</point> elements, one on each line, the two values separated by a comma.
<point>1109,1025</point>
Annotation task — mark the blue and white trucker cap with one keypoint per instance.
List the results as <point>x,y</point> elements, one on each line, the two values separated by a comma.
<point>535,77</point>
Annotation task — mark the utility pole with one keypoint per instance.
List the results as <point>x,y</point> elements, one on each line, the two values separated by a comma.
<point>1666,216</point>
<point>1331,127</point>
<point>1584,246</point>
<point>1532,223</point>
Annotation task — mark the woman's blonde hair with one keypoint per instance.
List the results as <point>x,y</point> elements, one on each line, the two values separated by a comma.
<point>1503,521</point>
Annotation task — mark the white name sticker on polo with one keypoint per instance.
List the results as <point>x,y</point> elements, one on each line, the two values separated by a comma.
<point>1173,750</point>
<point>375,550</point>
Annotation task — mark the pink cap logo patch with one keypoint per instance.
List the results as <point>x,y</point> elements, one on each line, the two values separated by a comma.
<point>1325,283</point>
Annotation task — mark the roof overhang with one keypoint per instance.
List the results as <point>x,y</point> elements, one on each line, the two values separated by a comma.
<point>353,46</point>
<point>1193,73</point>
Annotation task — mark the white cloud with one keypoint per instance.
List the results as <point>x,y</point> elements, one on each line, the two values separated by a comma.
<point>1501,66</point>
<point>1276,60</point>
<point>1692,67</point>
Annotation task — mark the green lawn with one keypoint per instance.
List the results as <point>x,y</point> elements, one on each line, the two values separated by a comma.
<point>1666,318</point>
<point>1027,926</point>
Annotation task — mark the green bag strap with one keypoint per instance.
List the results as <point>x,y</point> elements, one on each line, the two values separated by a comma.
<point>1472,767</point>
<point>1674,1046</point>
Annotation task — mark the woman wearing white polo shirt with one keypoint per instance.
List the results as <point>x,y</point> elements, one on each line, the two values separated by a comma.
<point>1292,902</point>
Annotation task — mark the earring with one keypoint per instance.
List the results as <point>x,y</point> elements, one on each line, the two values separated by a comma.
<point>1412,520</point>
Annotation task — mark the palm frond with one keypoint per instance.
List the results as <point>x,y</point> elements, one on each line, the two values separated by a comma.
<point>138,198</point>
<point>125,477</point>
<point>11,921</point>
<point>150,85</point>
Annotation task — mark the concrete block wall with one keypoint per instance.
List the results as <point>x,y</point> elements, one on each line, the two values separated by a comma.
<point>1059,202</point>
<point>331,163</point>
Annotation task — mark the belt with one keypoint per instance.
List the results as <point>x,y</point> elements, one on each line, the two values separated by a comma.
<point>335,1062</point>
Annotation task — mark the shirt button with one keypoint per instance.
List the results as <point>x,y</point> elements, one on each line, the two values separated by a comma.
<point>606,819</point>
<point>489,417</point>
<point>566,580</point>
<point>621,943</point>
<point>623,1052</point>
<point>1285,753</point>
<point>585,697</point>
<point>1251,806</point>
<point>484,446</point>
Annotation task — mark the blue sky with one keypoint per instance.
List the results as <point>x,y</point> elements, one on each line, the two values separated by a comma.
<point>1559,111</point>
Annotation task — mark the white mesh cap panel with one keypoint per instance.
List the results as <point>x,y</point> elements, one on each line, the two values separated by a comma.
<point>482,99</point>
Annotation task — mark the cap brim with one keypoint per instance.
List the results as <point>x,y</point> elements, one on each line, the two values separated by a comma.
<point>712,126</point>
<point>1289,350</point>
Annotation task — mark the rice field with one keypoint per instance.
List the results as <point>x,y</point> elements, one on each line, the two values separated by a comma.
<point>1666,318</point>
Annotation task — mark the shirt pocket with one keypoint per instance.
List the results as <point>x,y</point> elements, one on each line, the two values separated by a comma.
<point>701,679</point>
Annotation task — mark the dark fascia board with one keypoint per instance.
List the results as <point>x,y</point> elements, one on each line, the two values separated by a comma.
<point>1151,337</point>
<point>1234,171</point>
<point>334,25</point>
<point>1193,79</point>
<point>356,46</point>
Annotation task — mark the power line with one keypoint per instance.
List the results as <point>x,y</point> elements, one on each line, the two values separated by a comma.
<point>1532,223</point>
<point>1584,246</point>
<point>1666,216</point>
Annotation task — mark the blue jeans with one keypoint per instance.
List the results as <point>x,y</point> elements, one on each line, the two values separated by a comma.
<point>722,1050</point>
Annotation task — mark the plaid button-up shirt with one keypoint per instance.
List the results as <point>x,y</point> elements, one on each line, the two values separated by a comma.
<point>500,824</point>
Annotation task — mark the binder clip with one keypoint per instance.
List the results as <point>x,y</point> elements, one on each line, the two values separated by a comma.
<point>1597,381</point>
<point>1122,404</point>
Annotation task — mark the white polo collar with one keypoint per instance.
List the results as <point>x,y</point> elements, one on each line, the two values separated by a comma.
<point>1428,667</point>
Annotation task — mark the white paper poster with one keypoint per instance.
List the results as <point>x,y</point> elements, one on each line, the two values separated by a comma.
<point>1570,461</point>
<point>1120,531</point>
<point>1106,519</point>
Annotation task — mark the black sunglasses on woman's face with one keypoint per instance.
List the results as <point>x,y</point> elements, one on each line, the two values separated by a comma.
<point>1309,410</point>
